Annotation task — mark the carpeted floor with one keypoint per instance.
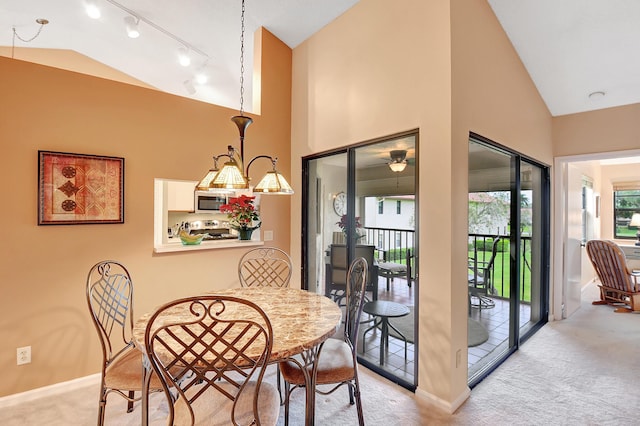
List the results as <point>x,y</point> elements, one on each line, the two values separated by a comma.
<point>580,371</point>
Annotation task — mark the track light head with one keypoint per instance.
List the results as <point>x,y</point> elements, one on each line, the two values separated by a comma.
<point>183,57</point>
<point>131,24</point>
<point>92,10</point>
<point>188,85</point>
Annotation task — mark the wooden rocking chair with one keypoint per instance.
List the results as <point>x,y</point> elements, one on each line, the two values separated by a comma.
<point>618,285</point>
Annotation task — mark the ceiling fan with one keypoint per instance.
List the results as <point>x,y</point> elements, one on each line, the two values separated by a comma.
<point>398,160</point>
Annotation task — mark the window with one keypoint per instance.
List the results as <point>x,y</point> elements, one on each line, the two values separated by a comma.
<point>381,206</point>
<point>626,202</point>
<point>398,207</point>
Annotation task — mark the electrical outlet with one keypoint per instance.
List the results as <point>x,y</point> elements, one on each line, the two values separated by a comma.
<point>268,235</point>
<point>23,355</point>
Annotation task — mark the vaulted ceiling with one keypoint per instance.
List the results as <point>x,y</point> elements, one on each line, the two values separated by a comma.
<point>571,48</point>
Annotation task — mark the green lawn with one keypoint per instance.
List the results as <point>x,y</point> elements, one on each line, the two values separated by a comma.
<point>501,274</point>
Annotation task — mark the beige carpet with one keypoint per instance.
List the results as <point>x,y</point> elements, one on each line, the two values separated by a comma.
<point>581,371</point>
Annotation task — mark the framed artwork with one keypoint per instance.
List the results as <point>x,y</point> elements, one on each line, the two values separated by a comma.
<point>79,189</point>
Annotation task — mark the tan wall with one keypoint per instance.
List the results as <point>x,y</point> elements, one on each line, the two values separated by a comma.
<point>43,268</point>
<point>71,61</point>
<point>605,130</point>
<point>416,64</point>
<point>493,96</point>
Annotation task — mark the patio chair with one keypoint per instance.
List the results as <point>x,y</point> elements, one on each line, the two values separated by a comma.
<point>391,270</point>
<point>336,271</point>
<point>337,363</point>
<point>618,284</point>
<point>480,279</point>
<point>110,300</point>
<point>212,361</point>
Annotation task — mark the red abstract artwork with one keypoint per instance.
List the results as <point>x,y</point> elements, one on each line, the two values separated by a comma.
<point>79,189</point>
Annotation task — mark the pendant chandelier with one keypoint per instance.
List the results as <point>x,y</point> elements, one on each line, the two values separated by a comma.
<point>233,175</point>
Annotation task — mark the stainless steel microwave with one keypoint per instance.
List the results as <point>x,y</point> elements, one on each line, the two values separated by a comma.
<point>210,201</point>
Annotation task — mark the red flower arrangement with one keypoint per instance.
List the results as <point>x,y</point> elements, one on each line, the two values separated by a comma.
<point>242,213</point>
<point>343,225</point>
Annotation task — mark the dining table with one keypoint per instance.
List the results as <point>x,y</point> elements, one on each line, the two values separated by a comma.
<point>301,322</point>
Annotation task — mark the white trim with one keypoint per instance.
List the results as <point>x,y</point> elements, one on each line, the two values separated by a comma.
<point>449,407</point>
<point>55,389</point>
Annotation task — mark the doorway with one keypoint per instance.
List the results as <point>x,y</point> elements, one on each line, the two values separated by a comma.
<point>362,202</point>
<point>508,252</point>
<point>595,216</point>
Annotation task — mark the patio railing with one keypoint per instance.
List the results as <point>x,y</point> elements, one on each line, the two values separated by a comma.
<point>501,271</point>
<point>391,244</point>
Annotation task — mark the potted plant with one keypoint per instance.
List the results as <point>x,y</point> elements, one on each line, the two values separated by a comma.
<point>243,216</point>
<point>343,226</point>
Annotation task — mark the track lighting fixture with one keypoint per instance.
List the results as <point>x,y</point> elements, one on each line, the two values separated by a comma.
<point>131,24</point>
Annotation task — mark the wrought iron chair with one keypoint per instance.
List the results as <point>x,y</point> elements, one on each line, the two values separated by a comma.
<point>618,284</point>
<point>265,267</point>
<point>480,280</point>
<point>337,363</point>
<point>110,301</point>
<point>211,359</point>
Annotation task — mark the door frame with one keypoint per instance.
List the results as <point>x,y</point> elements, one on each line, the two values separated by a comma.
<point>559,287</point>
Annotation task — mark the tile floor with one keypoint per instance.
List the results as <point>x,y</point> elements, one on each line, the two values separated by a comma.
<point>395,362</point>
<point>496,320</point>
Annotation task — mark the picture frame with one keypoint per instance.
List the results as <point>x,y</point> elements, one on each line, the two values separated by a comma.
<point>76,189</point>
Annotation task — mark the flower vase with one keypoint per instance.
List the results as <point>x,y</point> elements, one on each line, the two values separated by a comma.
<point>244,234</point>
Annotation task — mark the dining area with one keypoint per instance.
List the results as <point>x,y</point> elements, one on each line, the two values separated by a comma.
<point>208,354</point>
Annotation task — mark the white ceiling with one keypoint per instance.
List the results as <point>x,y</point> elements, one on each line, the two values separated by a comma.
<point>210,26</point>
<point>571,48</point>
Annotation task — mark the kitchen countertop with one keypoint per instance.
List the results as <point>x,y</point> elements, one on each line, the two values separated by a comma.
<point>205,245</point>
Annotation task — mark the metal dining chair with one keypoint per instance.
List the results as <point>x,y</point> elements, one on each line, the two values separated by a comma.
<point>265,267</point>
<point>110,300</point>
<point>337,363</point>
<point>211,361</point>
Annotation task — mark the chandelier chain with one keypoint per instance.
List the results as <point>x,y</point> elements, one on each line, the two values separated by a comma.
<point>42,23</point>
<point>242,60</point>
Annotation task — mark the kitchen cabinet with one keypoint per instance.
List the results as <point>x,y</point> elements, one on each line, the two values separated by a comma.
<point>180,195</point>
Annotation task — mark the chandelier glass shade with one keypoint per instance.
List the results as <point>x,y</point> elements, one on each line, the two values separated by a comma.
<point>229,177</point>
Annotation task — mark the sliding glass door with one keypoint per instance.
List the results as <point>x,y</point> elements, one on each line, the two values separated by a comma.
<point>361,202</point>
<point>508,252</point>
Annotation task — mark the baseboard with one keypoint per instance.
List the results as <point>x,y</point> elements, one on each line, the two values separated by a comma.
<point>57,388</point>
<point>449,407</point>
